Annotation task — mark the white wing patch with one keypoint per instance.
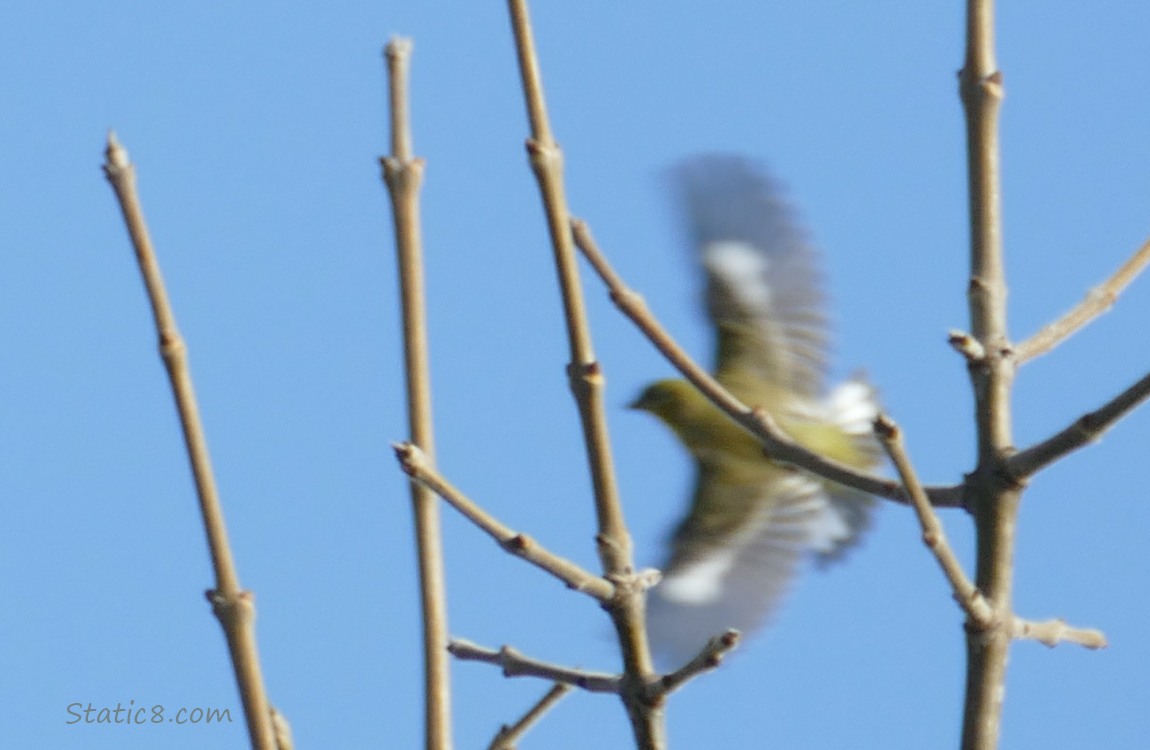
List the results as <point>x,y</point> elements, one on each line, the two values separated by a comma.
<point>853,406</point>
<point>740,583</point>
<point>699,582</point>
<point>829,531</point>
<point>743,269</point>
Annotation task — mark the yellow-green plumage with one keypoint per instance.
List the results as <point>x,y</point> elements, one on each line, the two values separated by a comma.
<point>752,520</point>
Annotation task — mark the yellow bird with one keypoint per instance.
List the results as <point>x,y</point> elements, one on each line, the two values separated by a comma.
<point>752,521</point>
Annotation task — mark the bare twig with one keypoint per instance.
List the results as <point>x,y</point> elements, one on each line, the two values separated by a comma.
<point>1052,632</point>
<point>585,378</point>
<point>1086,429</point>
<point>967,346</point>
<point>1097,301</point>
<point>416,465</point>
<point>403,174</point>
<point>515,664</point>
<point>707,659</point>
<point>933,535</point>
<point>776,443</point>
<point>233,606</point>
<point>508,735</point>
<point>282,730</point>
<point>993,501</point>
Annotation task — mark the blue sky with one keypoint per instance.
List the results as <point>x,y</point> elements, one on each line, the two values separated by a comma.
<point>255,130</point>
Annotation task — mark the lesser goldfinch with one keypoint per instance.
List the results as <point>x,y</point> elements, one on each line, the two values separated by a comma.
<point>752,521</point>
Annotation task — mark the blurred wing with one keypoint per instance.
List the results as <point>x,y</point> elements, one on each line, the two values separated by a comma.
<point>763,291</point>
<point>734,556</point>
<point>853,406</point>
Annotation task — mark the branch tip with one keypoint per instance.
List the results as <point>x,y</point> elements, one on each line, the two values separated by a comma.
<point>708,659</point>
<point>886,429</point>
<point>1052,632</point>
<point>966,345</point>
<point>398,47</point>
<point>411,458</point>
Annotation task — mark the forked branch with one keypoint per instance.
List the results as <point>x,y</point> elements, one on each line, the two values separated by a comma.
<point>993,502</point>
<point>627,609</point>
<point>777,444</point>
<point>980,615</point>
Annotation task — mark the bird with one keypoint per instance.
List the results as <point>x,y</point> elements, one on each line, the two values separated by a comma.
<point>753,522</point>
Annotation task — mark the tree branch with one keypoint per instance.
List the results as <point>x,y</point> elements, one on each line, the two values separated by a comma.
<point>1097,301</point>
<point>706,660</point>
<point>586,380</point>
<point>232,605</point>
<point>993,502</point>
<point>515,664</point>
<point>971,600</point>
<point>416,465</point>
<point>777,444</point>
<point>403,174</point>
<point>1086,429</point>
<point>1052,632</point>
<point>508,735</point>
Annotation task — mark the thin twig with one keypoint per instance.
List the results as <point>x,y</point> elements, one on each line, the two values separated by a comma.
<point>508,735</point>
<point>967,346</point>
<point>1084,430</point>
<point>515,664</point>
<point>416,465</point>
<point>776,443</point>
<point>586,380</point>
<point>282,730</point>
<point>707,659</point>
<point>933,535</point>
<point>993,501</point>
<point>1097,301</point>
<point>403,174</point>
<point>232,605</point>
<point>1052,632</point>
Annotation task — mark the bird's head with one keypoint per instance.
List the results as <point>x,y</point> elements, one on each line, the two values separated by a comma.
<point>670,400</point>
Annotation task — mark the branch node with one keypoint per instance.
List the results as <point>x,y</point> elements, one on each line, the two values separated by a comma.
<point>517,544</point>
<point>994,85</point>
<point>648,578</point>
